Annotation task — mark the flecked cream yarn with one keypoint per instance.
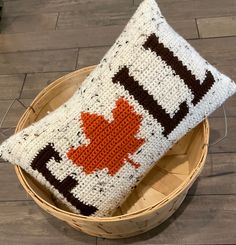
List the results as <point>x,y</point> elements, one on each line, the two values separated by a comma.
<point>148,91</point>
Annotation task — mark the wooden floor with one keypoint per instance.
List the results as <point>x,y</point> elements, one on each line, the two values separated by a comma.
<point>41,40</point>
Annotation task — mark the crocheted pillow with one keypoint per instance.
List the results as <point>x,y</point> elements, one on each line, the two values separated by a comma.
<point>149,90</point>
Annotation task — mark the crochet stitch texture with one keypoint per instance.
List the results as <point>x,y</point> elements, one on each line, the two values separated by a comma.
<point>148,91</point>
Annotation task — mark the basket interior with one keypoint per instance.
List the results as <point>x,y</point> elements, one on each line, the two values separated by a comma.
<point>170,172</point>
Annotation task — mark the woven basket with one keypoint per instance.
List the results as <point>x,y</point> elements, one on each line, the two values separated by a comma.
<point>154,200</point>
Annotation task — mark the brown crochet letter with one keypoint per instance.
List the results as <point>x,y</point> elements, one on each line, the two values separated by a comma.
<point>148,102</point>
<point>198,89</point>
<point>64,187</point>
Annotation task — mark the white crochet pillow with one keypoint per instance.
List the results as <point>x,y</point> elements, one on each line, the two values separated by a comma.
<point>148,91</point>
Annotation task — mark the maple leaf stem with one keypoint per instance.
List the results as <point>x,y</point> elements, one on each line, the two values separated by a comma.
<point>105,136</point>
<point>136,165</point>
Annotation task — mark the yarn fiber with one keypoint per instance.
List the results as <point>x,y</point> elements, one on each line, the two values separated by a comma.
<point>147,92</point>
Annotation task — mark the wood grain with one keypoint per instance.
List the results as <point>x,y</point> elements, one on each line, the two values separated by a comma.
<point>189,9</point>
<point>229,105</point>
<point>91,56</point>
<point>186,28</point>
<point>6,133</point>
<point>228,145</point>
<point>23,223</point>
<point>96,15</point>
<point>112,15</point>
<point>61,39</point>
<point>29,23</point>
<point>35,82</point>
<point>42,61</point>
<point>218,176</point>
<point>14,113</point>
<point>25,7</point>
<point>199,220</point>
<point>11,86</point>
<point>217,27</point>
<point>10,182</point>
<point>220,52</point>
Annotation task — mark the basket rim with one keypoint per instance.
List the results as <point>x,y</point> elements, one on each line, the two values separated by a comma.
<point>145,211</point>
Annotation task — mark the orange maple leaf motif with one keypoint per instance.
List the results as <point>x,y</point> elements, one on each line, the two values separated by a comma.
<point>110,142</point>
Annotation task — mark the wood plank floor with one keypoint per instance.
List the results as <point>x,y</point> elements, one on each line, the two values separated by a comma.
<point>41,40</point>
